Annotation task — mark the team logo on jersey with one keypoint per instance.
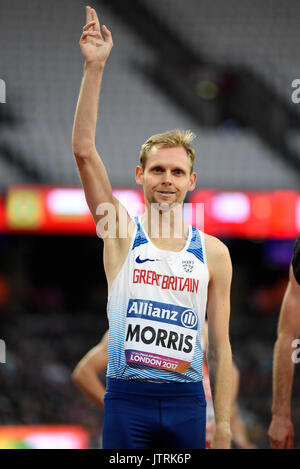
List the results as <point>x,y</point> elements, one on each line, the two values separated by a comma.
<point>188,265</point>
<point>189,319</point>
<point>141,261</point>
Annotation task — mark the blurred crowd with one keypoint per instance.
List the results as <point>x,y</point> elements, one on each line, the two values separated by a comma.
<point>35,381</point>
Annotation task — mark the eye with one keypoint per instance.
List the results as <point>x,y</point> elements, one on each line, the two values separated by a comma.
<point>157,169</point>
<point>178,172</point>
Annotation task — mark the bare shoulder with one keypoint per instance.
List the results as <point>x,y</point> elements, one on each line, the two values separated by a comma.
<point>217,254</point>
<point>215,248</point>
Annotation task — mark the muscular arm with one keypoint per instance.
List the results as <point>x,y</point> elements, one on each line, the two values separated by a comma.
<point>219,349</point>
<point>85,375</point>
<point>281,431</point>
<point>94,178</point>
<point>93,174</point>
<point>104,207</point>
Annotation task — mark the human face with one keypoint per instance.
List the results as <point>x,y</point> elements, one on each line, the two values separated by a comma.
<point>167,175</point>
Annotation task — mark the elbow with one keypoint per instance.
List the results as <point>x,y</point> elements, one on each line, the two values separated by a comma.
<point>211,356</point>
<point>81,154</point>
<point>77,376</point>
<point>212,352</point>
<point>216,353</point>
<point>78,154</point>
<point>82,150</point>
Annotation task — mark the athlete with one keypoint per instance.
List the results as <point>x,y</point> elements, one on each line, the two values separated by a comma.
<point>281,430</point>
<point>163,276</point>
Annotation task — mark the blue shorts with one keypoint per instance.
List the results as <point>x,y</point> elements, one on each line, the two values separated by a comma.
<point>142,415</point>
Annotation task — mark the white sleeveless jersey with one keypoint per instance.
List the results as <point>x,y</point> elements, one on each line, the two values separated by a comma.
<point>156,311</point>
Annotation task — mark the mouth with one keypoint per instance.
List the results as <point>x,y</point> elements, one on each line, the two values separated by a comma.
<point>166,194</point>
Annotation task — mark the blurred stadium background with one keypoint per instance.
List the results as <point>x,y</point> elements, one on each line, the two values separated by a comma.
<point>223,70</point>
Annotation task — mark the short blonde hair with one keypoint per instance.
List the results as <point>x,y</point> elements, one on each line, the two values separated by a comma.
<point>171,138</point>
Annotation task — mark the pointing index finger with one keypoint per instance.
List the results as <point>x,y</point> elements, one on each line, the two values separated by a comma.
<point>88,14</point>
<point>95,18</point>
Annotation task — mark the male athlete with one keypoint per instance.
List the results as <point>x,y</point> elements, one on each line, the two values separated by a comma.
<point>281,430</point>
<point>159,286</point>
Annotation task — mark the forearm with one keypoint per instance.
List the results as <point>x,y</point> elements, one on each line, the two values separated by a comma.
<point>84,129</point>
<point>220,374</point>
<point>91,386</point>
<point>283,373</point>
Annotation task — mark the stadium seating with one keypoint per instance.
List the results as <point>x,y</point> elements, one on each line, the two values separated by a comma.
<point>261,36</point>
<point>42,66</point>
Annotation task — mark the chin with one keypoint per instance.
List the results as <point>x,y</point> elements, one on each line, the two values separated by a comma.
<point>165,205</point>
<point>158,200</point>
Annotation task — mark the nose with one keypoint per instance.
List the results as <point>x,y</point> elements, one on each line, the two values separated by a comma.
<point>167,177</point>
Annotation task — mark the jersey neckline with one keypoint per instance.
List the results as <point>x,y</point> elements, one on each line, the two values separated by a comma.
<point>167,251</point>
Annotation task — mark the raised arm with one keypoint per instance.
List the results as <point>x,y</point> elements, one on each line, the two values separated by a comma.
<point>95,49</point>
<point>85,375</point>
<point>219,349</point>
<point>281,430</point>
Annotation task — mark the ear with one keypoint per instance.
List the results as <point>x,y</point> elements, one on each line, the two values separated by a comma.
<point>139,175</point>
<point>193,179</point>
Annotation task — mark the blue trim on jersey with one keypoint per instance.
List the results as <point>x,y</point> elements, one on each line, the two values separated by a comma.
<point>195,246</point>
<point>140,238</point>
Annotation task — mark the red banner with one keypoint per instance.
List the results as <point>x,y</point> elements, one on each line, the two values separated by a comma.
<point>246,214</point>
<point>237,214</point>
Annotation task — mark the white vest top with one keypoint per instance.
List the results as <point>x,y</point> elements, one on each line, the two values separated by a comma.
<point>156,311</point>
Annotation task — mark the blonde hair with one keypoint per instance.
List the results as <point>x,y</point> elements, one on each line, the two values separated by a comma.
<point>171,138</point>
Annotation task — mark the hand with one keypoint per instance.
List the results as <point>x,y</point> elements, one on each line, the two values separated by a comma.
<point>222,437</point>
<point>281,433</point>
<point>94,48</point>
<point>210,431</point>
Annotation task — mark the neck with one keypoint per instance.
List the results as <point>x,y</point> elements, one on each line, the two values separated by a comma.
<point>162,221</point>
